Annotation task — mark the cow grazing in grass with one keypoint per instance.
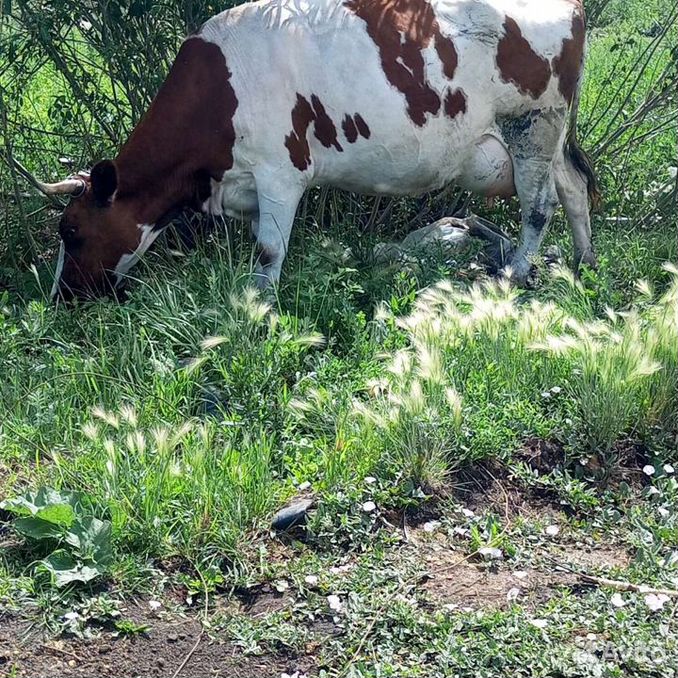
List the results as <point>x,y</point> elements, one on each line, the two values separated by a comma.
<point>388,97</point>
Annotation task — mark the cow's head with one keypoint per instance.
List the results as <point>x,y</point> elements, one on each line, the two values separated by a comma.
<point>101,238</point>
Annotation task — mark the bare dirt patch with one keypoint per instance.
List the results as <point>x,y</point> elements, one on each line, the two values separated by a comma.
<point>463,583</point>
<point>159,652</point>
<point>591,559</point>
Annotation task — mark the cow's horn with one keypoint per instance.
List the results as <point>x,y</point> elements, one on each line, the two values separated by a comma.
<point>72,185</point>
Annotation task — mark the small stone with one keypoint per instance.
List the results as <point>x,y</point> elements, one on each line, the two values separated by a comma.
<point>431,526</point>
<point>513,594</point>
<point>668,469</point>
<point>370,480</point>
<point>71,662</point>
<point>304,486</point>
<point>334,602</point>
<point>489,553</point>
<point>294,514</point>
<point>649,470</point>
<point>172,637</point>
<point>369,506</point>
<point>311,580</point>
<point>160,662</point>
<point>552,530</point>
<point>104,649</point>
<point>519,574</point>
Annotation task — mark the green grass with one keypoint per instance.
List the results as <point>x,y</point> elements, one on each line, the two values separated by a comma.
<point>188,415</point>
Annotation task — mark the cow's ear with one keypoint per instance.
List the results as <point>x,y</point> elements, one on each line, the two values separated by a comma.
<point>104,178</point>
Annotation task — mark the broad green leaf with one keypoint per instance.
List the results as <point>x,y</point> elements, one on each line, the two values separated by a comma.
<point>92,538</point>
<point>32,503</point>
<point>59,514</point>
<point>66,570</point>
<point>36,528</point>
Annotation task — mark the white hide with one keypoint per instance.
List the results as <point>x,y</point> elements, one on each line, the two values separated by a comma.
<point>148,235</point>
<point>276,49</point>
<point>321,47</point>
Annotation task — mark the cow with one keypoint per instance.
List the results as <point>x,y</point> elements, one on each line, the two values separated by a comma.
<point>382,97</point>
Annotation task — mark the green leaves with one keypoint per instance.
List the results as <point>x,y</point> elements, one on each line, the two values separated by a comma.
<point>82,542</point>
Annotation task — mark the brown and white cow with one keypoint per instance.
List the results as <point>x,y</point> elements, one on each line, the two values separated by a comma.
<point>393,97</point>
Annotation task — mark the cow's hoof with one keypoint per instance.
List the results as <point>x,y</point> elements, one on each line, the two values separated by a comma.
<point>585,259</point>
<point>518,270</point>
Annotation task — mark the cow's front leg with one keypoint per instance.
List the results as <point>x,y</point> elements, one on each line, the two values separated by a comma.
<point>538,201</point>
<point>272,228</point>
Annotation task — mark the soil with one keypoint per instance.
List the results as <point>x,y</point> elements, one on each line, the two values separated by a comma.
<point>158,652</point>
<point>452,581</point>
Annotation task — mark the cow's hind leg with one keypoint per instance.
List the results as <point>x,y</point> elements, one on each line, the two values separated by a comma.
<point>533,141</point>
<point>573,194</point>
<point>272,228</point>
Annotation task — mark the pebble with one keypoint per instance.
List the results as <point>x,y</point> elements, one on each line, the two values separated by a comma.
<point>172,637</point>
<point>289,516</point>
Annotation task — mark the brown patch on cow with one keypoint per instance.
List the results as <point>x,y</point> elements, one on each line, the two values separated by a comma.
<point>401,29</point>
<point>455,103</point>
<point>568,64</point>
<point>296,141</point>
<point>325,131</point>
<point>353,126</point>
<point>350,130</point>
<point>519,64</point>
<point>447,53</point>
<point>303,114</point>
<point>361,125</point>
<point>180,136</point>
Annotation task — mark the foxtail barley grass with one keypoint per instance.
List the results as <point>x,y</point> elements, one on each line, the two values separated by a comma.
<point>619,372</point>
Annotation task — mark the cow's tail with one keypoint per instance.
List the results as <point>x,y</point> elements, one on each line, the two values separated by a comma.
<point>576,154</point>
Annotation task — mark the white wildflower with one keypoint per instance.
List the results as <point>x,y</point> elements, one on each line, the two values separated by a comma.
<point>668,469</point>
<point>656,601</point>
<point>649,470</point>
<point>311,580</point>
<point>617,600</point>
<point>539,623</point>
<point>552,530</point>
<point>513,594</point>
<point>369,506</point>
